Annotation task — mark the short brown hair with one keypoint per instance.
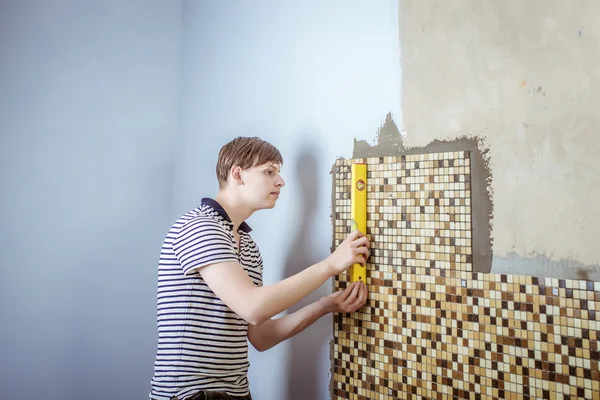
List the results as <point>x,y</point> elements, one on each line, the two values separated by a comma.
<point>245,152</point>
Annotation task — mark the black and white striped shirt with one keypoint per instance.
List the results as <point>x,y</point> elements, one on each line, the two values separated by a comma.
<point>202,343</point>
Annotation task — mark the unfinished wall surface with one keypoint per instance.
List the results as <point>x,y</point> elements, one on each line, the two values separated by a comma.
<point>523,78</point>
<point>434,329</point>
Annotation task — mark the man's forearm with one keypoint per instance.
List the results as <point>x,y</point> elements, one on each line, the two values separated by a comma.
<point>272,299</point>
<point>257,305</point>
<point>274,331</point>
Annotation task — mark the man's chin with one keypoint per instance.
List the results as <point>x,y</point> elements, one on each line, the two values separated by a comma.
<point>267,205</point>
<point>271,203</point>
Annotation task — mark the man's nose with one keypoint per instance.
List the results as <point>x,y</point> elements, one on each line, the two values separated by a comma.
<point>281,182</point>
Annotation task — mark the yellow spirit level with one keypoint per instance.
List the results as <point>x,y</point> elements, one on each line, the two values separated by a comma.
<point>358,213</point>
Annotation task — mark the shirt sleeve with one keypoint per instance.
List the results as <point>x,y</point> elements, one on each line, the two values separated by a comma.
<point>201,242</point>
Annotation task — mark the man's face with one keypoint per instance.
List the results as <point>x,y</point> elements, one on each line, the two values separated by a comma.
<point>262,185</point>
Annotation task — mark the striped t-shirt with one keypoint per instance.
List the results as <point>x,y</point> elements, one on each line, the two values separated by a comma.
<point>202,343</point>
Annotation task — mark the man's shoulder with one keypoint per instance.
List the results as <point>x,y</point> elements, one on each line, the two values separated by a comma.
<point>197,219</point>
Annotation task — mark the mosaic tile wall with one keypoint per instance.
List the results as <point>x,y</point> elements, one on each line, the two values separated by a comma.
<point>432,328</point>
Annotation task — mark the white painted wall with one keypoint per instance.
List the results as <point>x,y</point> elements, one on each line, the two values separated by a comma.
<point>309,77</point>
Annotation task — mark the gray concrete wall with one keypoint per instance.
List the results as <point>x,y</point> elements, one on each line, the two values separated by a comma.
<point>523,78</point>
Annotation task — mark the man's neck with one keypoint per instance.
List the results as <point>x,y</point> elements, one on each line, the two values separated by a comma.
<point>236,211</point>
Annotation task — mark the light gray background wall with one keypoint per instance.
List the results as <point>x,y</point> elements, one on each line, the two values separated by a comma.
<point>111,117</point>
<point>309,77</point>
<point>89,94</point>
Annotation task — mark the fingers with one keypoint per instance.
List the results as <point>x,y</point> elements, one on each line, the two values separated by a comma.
<point>346,292</point>
<point>353,292</point>
<point>361,255</point>
<point>355,235</point>
<point>357,238</point>
<point>364,293</point>
<point>356,299</point>
<point>348,298</point>
<point>361,299</point>
<point>360,245</point>
<point>362,241</point>
<point>362,250</point>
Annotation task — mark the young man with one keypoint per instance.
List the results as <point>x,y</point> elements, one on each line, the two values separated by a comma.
<point>211,300</point>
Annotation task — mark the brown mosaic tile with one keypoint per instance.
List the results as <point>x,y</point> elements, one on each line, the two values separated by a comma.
<point>433,329</point>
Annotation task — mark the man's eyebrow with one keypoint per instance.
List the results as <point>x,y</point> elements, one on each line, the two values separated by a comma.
<point>274,165</point>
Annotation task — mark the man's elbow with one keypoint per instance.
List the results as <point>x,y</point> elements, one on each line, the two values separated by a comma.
<point>255,317</point>
<point>260,347</point>
<point>261,344</point>
<point>251,308</point>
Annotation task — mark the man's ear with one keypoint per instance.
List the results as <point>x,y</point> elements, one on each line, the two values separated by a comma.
<point>236,174</point>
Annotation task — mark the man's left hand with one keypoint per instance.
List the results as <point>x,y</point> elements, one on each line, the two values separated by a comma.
<point>347,300</point>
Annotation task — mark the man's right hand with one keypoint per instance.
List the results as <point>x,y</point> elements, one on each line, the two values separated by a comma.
<point>353,250</point>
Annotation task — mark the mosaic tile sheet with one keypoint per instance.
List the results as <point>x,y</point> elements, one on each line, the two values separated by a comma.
<point>418,209</point>
<point>432,329</point>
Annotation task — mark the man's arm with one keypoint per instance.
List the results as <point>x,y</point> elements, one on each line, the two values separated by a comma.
<point>275,331</point>
<point>233,286</point>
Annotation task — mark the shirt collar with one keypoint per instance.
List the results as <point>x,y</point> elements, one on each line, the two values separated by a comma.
<point>221,211</point>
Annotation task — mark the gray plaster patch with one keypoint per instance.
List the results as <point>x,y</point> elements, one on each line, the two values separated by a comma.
<point>389,143</point>
<point>542,266</point>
